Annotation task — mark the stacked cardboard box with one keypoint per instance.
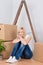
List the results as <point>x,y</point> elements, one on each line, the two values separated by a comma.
<point>8,49</point>
<point>8,33</point>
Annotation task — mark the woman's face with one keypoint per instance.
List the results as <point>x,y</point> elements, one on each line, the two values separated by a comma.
<point>21,33</point>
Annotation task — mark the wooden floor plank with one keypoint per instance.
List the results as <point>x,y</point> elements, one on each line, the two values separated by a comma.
<point>22,62</point>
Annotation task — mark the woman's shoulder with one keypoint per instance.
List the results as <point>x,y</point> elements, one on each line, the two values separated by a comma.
<point>26,36</point>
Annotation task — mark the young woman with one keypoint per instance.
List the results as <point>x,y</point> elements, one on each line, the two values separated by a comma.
<point>21,47</point>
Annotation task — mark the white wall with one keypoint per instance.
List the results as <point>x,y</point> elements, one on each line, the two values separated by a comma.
<point>8,10</point>
<point>5,11</point>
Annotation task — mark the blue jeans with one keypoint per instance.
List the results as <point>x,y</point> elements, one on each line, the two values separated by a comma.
<point>27,53</point>
<point>22,51</point>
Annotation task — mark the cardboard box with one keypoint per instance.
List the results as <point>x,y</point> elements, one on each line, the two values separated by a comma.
<point>8,32</point>
<point>38,52</point>
<point>8,49</point>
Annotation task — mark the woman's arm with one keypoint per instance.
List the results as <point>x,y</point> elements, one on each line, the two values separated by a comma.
<point>15,40</point>
<point>28,39</point>
<point>23,40</point>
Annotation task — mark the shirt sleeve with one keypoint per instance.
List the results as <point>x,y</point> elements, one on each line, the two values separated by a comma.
<point>27,36</point>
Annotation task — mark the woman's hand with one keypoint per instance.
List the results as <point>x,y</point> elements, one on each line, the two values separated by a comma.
<point>23,40</point>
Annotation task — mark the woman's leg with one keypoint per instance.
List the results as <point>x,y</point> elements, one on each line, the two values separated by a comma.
<point>16,47</point>
<point>27,52</point>
<point>20,51</point>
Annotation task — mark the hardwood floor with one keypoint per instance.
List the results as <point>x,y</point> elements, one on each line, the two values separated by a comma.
<point>22,62</point>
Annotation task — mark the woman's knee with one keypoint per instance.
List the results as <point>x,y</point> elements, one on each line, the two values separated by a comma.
<point>30,55</point>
